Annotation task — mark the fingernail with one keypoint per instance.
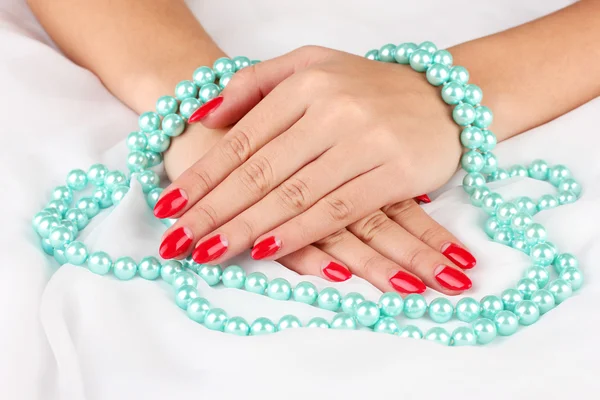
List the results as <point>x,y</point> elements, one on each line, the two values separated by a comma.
<point>176,243</point>
<point>459,256</point>
<point>336,272</point>
<point>452,279</point>
<point>170,204</point>
<point>423,199</point>
<point>210,249</point>
<point>205,109</point>
<point>406,283</point>
<point>266,248</point>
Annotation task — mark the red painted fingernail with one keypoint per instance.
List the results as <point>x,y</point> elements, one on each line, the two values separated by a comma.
<point>423,198</point>
<point>459,256</point>
<point>176,243</point>
<point>205,109</point>
<point>452,278</point>
<point>170,204</point>
<point>336,272</point>
<point>265,248</point>
<point>210,249</point>
<point>406,283</point>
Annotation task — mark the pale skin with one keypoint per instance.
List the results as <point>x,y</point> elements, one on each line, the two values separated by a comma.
<point>331,134</point>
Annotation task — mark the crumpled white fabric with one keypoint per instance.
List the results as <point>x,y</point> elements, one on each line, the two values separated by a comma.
<point>67,333</point>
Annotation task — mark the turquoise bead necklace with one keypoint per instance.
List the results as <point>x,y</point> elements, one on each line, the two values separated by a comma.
<point>510,222</point>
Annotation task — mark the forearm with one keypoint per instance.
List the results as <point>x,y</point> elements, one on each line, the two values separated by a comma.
<point>140,49</point>
<point>538,71</point>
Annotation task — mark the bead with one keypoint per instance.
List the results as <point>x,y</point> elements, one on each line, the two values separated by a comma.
<point>443,57</point>
<point>543,254</point>
<point>459,74</point>
<point>472,161</point>
<point>60,236</point>
<point>478,194</point>
<point>505,212</point>
<point>521,220</point>
<point>46,225</point>
<point>485,330</point>
<point>438,335</point>
<point>210,273</point>
<point>463,336</point>
<point>208,92</point>
<point>473,94</point>
<point>223,65</point>
<point>47,247</point>
<point>96,174</point>
<point>483,117</point>
<point>197,309</point>
<point>518,170</point>
<point>99,263</point>
<point>527,312</point>
<point>489,141</point>
<point>373,55</point>
<point>390,304</point>
<point>124,268</point>
<point>547,202</point>
<point>237,326</point>
<point>343,321</point>
<point>570,185</point>
<point>411,331</point>
<point>491,202</point>
<point>114,178</point>
<point>149,121</point>
<point>166,105</point>
<point>256,282</point>
<point>387,52</point>
<point>262,326</point>
<point>151,197</point>
<point>544,300</point>
<point>158,142</point>
<point>287,322</point>
<point>148,180</point>
<point>560,289</point>
<point>149,268</point>
<point>329,299</point>
<point>473,180</point>
<point>185,89</point>
<point>467,309</point>
<point>490,306</point>
<point>437,74</point>
<point>539,275</point>
<point>77,179</point>
<point>566,197</point>
<point>387,325</point>
<point>59,205</point>
<point>428,47</point>
<point>367,313</point>
<point>350,301</point>
<point>463,114</point>
<point>185,294</point>
<point>279,289</point>
<point>535,233</point>
<point>526,287</point>
<point>498,175</point>
<point>305,292</point>
<point>471,137</point>
<point>241,62</point>
<point>557,173</point>
<point>490,163</point>
<point>59,256</point>
<point>203,75</point>
<point>215,319</point>
<point>573,277</point>
<point>453,93</point>
<point>510,298</point>
<point>76,253</point>
<point>525,204</point>
<point>403,53</point>
<point>184,278</point>
<point>506,323</point>
<point>420,60</point>
<point>538,169</point>
<point>491,227</point>
<point>153,158</point>
<point>38,217</point>
<point>441,310</point>
<point>414,306</point>
<point>172,125</point>
<point>189,106</point>
<point>169,270</point>
<point>233,277</point>
<point>318,322</point>
<point>103,196</point>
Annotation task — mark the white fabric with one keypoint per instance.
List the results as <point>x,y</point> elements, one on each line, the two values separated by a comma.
<point>71,334</point>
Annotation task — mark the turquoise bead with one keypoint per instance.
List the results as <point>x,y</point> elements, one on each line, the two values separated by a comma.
<point>411,331</point>
<point>47,247</point>
<point>350,301</point>
<point>288,322</point>
<point>172,125</point>
<point>184,278</point>
<point>463,336</point>
<point>490,306</point>
<point>149,268</point>
<point>437,74</point>
<point>305,292</point>
<point>99,263</point>
<point>233,277</point>
<point>463,114</point>
<point>373,55</point>
<point>158,142</point>
<point>114,178</point>
<point>203,75</point>
<point>237,326</point>
<point>539,275</point>
<point>572,276</point>
<point>60,237</point>
<point>473,180</point>
<point>38,217</point>
<point>428,47</point>
<point>343,321</point>
<point>527,312</point>
<point>483,117</point>
<point>547,202</point>
<point>415,306</point>
<point>557,173</point>
<point>185,89</point>
<point>518,170</point>
<point>471,137</point>
<point>544,300</point>
<point>215,319</point>
<point>318,322</point>
<point>184,295</point>
<point>535,233</point>
<point>136,161</point>
<point>527,287</point>
<point>459,74</point>
<point>387,52</point>
<point>510,298</point>
<point>521,220</point>
<point>472,161</point>
<point>473,94</point>
<point>566,197</point>
<point>59,256</point>
<point>96,174</point>
<point>223,65</point>
<point>477,196</point>
<point>443,57</point>
<point>169,270</point>
<point>71,227</point>
<point>149,121</point>
<point>166,105</point>
<point>453,93</point>
<point>491,202</point>
<point>153,158</point>
<point>103,196</point>
<point>467,309</point>
<point>367,313</point>
<point>211,274</point>
<point>197,309</point>
<point>403,52</point>
<point>485,330</point>
<point>505,212</point>
<point>279,289</point>
<point>148,180</point>
<point>506,322</point>
<point>241,62</point>
<point>490,164</point>
<point>542,254</point>
<point>151,197</point>
<point>538,169</point>
<point>489,140</point>
<point>77,179</point>
<point>189,106</point>
<point>504,235</point>
<point>262,326</point>
<point>46,225</point>
<point>329,299</point>
<point>570,185</point>
<point>438,335</point>
<point>560,289</point>
<point>256,282</point>
<point>59,205</point>
<point>390,304</point>
<point>208,92</point>
<point>76,253</point>
<point>124,268</point>
<point>420,60</point>
<point>492,225</point>
<point>525,204</point>
<point>440,310</point>
<point>387,325</point>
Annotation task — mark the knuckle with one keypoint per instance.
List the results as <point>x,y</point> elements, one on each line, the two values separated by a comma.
<point>256,175</point>
<point>201,181</point>
<point>333,239</point>
<point>339,210</point>
<point>400,211</point>
<point>294,194</point>
<point>237,148</point>
<point>430,233</point>
<point>368,228</point>
<point>206,213</point>
<point>372,264</point>
<point>246,228</point>
<point>417,257</point>
<point>314,78</point>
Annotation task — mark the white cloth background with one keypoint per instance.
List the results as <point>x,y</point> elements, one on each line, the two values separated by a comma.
<point>71,334</point>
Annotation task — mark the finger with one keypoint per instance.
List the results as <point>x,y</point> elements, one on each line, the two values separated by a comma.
<point>310,260</point>
<point>365,262</point>
<point>393,242</point>
<point>418,223</point>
